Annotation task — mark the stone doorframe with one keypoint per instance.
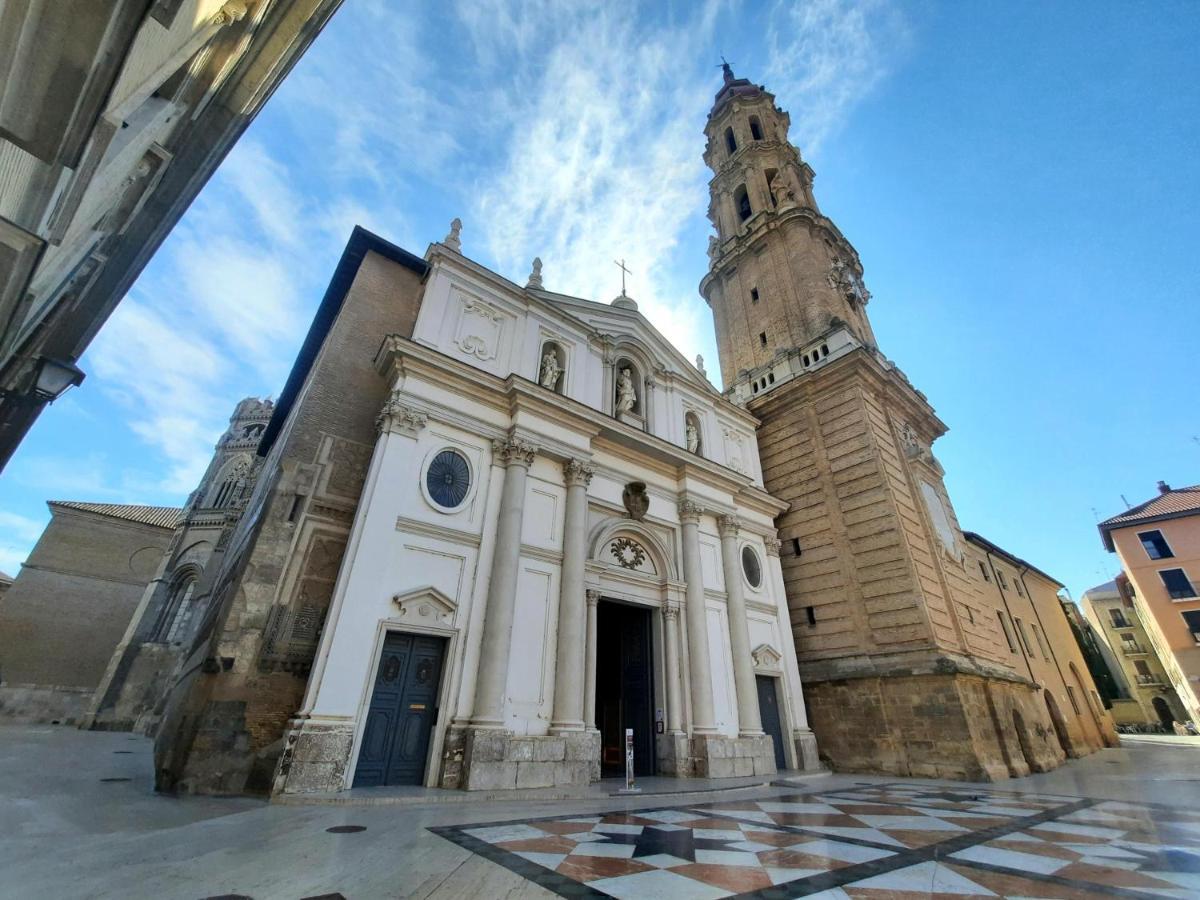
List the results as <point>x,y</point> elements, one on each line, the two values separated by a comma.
<point>659,592</point>
<point>767,661</point>
<point>424,611</point>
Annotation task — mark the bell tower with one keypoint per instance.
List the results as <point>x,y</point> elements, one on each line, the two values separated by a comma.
<point>784,285</point>
<point>904,672</point>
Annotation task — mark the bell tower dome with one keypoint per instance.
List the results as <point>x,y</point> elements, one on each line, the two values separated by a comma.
<point>784,285</point>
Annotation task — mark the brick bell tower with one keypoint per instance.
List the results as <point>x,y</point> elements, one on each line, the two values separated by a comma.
<point>896,677</point>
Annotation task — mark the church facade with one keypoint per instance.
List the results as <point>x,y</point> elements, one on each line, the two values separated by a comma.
<point>555,533</point>
<point>496,530</point>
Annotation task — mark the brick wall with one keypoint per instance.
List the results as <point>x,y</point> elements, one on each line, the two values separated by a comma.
<point>224,724</point>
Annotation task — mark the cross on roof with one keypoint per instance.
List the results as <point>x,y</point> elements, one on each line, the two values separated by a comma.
<point>624,271</point>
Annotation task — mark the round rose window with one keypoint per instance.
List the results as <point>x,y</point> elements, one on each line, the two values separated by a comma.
<point>448,479</point>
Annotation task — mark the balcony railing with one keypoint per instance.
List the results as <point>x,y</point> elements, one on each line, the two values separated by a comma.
<point>1131,649</point>
<point>1149,680</point>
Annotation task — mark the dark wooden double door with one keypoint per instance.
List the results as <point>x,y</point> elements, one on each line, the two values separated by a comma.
<point>403,711</point>
<point>624,687</point>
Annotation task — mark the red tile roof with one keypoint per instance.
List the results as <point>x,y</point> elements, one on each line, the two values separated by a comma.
<point>1171,504</point>
<point>159,516</point>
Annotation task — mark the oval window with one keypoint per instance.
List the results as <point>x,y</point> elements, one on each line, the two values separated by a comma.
<point>751,567</point>
<point>448,479</point>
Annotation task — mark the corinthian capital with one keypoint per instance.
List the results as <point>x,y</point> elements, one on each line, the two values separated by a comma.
<point>397,416</point>
<point>690,511</point>
<point>576,472</point>
<point>773,546</point>
<point>728,526</point>
<point>514,452</point>
<point>592,597</point>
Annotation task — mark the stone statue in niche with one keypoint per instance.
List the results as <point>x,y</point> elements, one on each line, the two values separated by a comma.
<point>693,436</point>
<point>782,190</point>
<point>626,396</point>
<point>550,369</point>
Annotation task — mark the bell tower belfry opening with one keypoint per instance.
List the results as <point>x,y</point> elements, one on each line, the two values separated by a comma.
<point>877,575</point>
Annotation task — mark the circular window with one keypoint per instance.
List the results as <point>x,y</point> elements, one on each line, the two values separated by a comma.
<point>751,567</point>
<point>448,479</point>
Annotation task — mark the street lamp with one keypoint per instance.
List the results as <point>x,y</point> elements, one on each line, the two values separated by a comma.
<point>54,376</point>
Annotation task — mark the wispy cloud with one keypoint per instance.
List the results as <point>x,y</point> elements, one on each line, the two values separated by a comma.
<point>602,153</point>
<point>827,55</point>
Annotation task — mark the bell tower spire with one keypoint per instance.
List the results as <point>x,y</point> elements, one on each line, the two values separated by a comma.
<point>783,282</point>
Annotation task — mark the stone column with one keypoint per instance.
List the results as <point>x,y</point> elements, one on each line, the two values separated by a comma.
<point>749,720</point>
<point>491,680</point>
<point>589,663</point>
<point>674,701</point>
<point>568,670</point>
<point>697,619</point>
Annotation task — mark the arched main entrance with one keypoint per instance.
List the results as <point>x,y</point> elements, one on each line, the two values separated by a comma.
<point>1163,710</point>
<point>1060,724</point>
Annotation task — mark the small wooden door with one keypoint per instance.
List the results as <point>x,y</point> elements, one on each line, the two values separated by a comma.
<point>772,722</point>
<point>403,711</point>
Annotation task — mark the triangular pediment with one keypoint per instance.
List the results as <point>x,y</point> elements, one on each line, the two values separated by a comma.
<point>426,605</point>
<point>766,657</point>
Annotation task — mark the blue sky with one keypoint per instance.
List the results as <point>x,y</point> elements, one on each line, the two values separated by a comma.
<point>1022,181</point>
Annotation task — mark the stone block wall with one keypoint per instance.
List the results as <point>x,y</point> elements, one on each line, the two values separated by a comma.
<point>315,757</point>
<point>715,756</point>
<point>932,726</point>
<point>500,760</point>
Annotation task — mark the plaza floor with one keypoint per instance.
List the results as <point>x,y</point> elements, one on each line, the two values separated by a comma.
<point>80,820</point>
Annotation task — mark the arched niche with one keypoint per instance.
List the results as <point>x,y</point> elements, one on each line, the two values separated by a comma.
<point>552,367</point>
<point>636,382</point>
<point>693,433</point>
<point>659,563</point>
<point>230,483</point>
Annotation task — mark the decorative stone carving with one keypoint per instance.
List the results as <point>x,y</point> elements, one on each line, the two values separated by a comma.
<point>733,446</point>
<point>689,509</point>
<point>692,436</point>
<point>728,526</point>
<point>843,278</point>
<point>425,606</point>
<point>636,500</point>
<point>514,452</point>
<point>479,329</point>
<point>592,597</point>
<point>773,546</point>
<point>551,370</point>
<point>628,553</point>
<point>626,395</point>
<point>400,418</point>
<point>535,275</point>
<point>233,11</point>
<point>452,239</point>
<point>766,657</point>
<point>700,365</point>
<point>714,247</point>
<point>909,442</point>
<point>576,472</point>
<point>670,612</point>
<point>784,190</point>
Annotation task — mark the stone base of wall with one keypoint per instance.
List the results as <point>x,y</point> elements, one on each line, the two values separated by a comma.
<point>35,704</point>
<point>315,757</point>
<point>491,759</point>
<point>806,750</point>
<point>715,756</point>
<point>134,704</point>
<point>933,726</point>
